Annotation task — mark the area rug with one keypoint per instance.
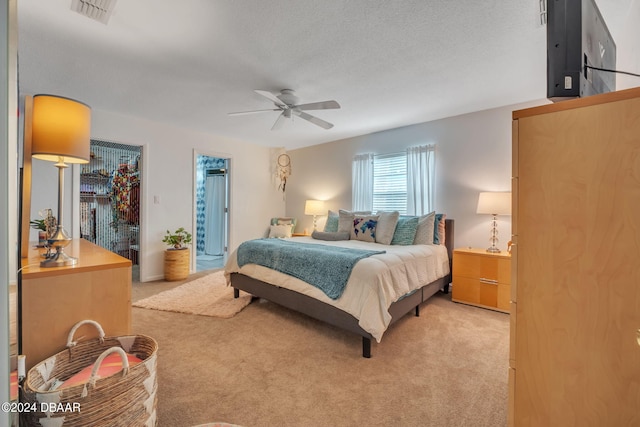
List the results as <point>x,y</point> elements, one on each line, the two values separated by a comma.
<point>206,296</point>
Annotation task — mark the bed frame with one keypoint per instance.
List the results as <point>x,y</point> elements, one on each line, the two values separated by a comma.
<point>336,317</point>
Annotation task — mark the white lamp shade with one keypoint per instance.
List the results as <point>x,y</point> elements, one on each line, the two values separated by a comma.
<point>494,203</point>
<point>314,207</point>
<point>60,129</point>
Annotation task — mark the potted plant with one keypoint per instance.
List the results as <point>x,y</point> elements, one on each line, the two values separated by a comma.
<point>41,226</point>
<point>176,257</point>
<point>177,239</point>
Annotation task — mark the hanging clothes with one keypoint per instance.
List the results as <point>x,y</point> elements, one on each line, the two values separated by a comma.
<point>125,195</point>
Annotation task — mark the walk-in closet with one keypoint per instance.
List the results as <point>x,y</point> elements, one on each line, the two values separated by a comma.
<point>110,198</point>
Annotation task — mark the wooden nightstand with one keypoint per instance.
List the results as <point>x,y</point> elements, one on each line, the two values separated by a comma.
<point>482,279</point>
<point>300,235</point>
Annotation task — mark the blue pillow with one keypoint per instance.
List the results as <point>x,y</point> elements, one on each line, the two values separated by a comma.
<point>405,230</point>
<point>437,239</point>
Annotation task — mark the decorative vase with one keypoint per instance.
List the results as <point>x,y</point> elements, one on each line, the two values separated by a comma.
<point>176,264</point>
<point>42,238</point>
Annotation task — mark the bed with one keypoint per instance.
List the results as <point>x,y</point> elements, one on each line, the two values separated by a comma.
<point>369,304</point>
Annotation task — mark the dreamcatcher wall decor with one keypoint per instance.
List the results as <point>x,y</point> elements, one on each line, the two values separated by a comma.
<point>283,171</point>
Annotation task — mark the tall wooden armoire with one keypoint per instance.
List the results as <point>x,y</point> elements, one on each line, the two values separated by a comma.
<point>575,311</point>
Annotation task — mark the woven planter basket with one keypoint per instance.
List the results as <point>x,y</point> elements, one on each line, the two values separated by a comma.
<point>176,264</point>
<point>127,398</point>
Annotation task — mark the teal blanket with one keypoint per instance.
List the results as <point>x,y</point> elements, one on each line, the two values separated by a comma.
<point>326,267</point>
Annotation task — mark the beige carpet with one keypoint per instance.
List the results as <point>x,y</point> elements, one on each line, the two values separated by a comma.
<point>269,366</point>
<point>206,296</point>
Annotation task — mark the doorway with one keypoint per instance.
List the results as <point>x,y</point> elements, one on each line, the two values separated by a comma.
<point>110,199</point>
<point>212,212</point>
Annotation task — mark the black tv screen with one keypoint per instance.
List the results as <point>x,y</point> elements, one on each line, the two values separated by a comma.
<point>577,39</point>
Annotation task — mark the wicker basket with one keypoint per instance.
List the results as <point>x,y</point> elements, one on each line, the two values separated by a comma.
<point>176,264</point>
<point>127,398</point>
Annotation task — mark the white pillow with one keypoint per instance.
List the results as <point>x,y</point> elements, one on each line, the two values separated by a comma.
<point>281,231</point>
<point>424,232</point>
<point>345,221</point>
<point>387,222</point>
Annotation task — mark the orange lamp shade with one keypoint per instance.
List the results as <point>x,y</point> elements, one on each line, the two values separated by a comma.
<point>60,129</point>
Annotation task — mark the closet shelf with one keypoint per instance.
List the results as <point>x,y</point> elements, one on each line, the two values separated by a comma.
<point>94,196</point>
<point>93,175</point>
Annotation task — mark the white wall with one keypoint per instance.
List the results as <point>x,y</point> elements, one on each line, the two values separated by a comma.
<point>473,154</point>
<point>168,175</point>
<point>628,49</point>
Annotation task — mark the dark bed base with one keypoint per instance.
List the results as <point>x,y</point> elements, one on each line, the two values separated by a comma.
<point>334,316</point>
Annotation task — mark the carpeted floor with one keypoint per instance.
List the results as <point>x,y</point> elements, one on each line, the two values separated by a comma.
<point>269,366</point>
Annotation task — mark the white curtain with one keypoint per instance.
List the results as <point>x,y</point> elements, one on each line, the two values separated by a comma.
<point>362,182</point>
<point>420,179</point>
<point>214,215</point>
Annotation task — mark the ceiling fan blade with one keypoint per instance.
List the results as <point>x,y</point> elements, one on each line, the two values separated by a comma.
<point>279,121</point>
<point>324,105</point>
<point>314,120</point>
<point>240,113</point>
<point>271,97</point>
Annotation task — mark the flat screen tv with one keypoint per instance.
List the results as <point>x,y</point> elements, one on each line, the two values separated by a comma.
<point>578,39</point>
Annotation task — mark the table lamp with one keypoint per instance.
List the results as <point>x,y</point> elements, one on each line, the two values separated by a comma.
<point>61,134</point>
<point>315,208</point>
<point>494,204</point>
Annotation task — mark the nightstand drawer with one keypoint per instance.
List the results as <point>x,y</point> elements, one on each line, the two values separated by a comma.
<point>476,291</point>
<point>466,289</point>
<point>480,266</point>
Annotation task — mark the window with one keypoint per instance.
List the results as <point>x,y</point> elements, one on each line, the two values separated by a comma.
<point>402,182</point>
<point>390,183</point>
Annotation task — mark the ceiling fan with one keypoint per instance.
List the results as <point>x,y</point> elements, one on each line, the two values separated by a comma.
<point>287,103</point>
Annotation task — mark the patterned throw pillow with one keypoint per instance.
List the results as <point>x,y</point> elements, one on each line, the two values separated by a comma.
<point>345,219</point>
<point>405,230</point>
<point>331,226</point>
<point>364,228</point>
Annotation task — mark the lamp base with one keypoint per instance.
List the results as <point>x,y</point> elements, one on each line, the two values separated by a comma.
<point>493,250</point>
<point>59,259</point>
<point>59,241</point>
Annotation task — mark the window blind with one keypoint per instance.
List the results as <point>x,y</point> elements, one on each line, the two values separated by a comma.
<point>390,182</point>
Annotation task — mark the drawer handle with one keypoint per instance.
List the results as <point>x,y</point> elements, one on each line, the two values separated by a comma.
<point>489,281</point>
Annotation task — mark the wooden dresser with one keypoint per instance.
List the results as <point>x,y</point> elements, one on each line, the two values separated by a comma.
<point>575,317</point>
<point>54,299</point>
<point>482,279</point>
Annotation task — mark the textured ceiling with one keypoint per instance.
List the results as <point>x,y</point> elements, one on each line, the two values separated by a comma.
<point>388,63</point>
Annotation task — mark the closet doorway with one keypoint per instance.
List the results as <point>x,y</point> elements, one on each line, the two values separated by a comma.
<point>110,199</point>
<point>212,211</point>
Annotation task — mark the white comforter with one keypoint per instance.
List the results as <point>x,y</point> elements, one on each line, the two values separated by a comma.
<point>375,282</point>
